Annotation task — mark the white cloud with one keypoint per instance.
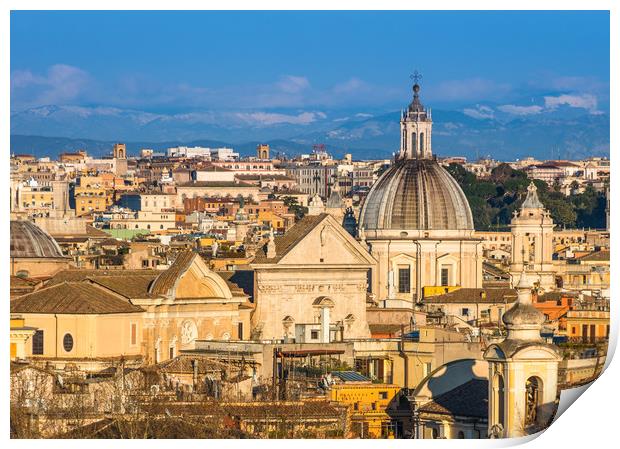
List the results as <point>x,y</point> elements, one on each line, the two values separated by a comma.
<point>471,89</point>
<point>269,118</point>
<point>60,84</point>
<point>479,112</point>
<point>350,86</point>
<point>584,101</point>
<point>363,115</point>
<point>293,84</point>
<point>520,110</point>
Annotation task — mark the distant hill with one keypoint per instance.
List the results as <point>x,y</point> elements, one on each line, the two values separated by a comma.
<point>560,133</point>
<point>42,146</point>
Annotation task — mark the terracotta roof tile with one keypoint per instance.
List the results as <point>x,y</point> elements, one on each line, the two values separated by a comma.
<point>128,283</point>
<point>91,231</point>
<point>598,256</point>
<point>72,298</point>
<point>291,238</point>
<point>469,400</point>
<point>130,286</point>
<point>166,280</point>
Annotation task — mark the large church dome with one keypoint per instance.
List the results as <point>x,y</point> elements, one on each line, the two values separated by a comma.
<point>30,241</point>
<point>416,194</point>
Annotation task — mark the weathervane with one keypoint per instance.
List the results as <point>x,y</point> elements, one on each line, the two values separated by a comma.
<point>416,76</point>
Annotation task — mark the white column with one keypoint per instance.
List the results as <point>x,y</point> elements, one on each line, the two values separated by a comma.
<point>324,324</point>
<point>391,284</point>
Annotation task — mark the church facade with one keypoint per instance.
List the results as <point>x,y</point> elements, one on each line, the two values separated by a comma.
<point>311,284</point>
<point>416,221</point>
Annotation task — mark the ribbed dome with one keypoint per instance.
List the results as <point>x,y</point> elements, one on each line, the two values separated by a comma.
<point>416,194</point>
<point>30,241</point>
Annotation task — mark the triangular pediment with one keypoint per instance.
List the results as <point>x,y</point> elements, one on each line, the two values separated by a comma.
<point>327,243</point>
<point>189,277</point>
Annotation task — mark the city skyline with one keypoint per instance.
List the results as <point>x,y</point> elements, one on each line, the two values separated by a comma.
<point>335,225</point>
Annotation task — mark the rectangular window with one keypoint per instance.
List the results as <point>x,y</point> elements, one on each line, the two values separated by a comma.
<point>172,352</point>
<point>383,395</point>
<point>445,276</point>
<point>465,311</point>
<point>404,280</point>
<point>314,335</point>
<point>240,331</point>
<point>37,343</point>
<point>427,368</point>
<point>584,333</point>
<point>134,334</point>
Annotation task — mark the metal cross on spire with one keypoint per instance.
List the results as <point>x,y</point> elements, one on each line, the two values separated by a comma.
<point>416,76</point>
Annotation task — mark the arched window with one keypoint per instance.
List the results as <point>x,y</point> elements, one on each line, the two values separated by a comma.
<point>460,435</point>
<point>422,143</point>
<point>499,393</point>
<point>414,143</point>
<point>533,396</point>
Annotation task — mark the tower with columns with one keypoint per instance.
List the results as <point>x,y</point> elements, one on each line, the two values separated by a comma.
<point>416,126</point>
<point>532,242</point>
<point>523,372</point>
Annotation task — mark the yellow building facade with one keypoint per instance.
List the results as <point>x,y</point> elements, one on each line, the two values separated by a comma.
<point>20,333</point>
<point>587,326</point>
<point>90,318</point>
<point>90,199</point>
<point>368,404</point>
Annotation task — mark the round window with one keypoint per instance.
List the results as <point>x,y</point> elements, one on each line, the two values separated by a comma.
<point>67,342</point>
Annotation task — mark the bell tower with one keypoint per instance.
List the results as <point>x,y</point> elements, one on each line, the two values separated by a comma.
<point>523,372</point>
<point>119,154</point>
<point>532,242</point>
<point>119,151</point>
<point>416,126</point>
<point>262,151</point>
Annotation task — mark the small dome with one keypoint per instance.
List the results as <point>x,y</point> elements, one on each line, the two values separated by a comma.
<point>416,194</point>
<point>523,315</point>
<point>30,241</point>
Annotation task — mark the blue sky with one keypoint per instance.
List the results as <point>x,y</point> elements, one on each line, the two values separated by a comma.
<point>182,61</point>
